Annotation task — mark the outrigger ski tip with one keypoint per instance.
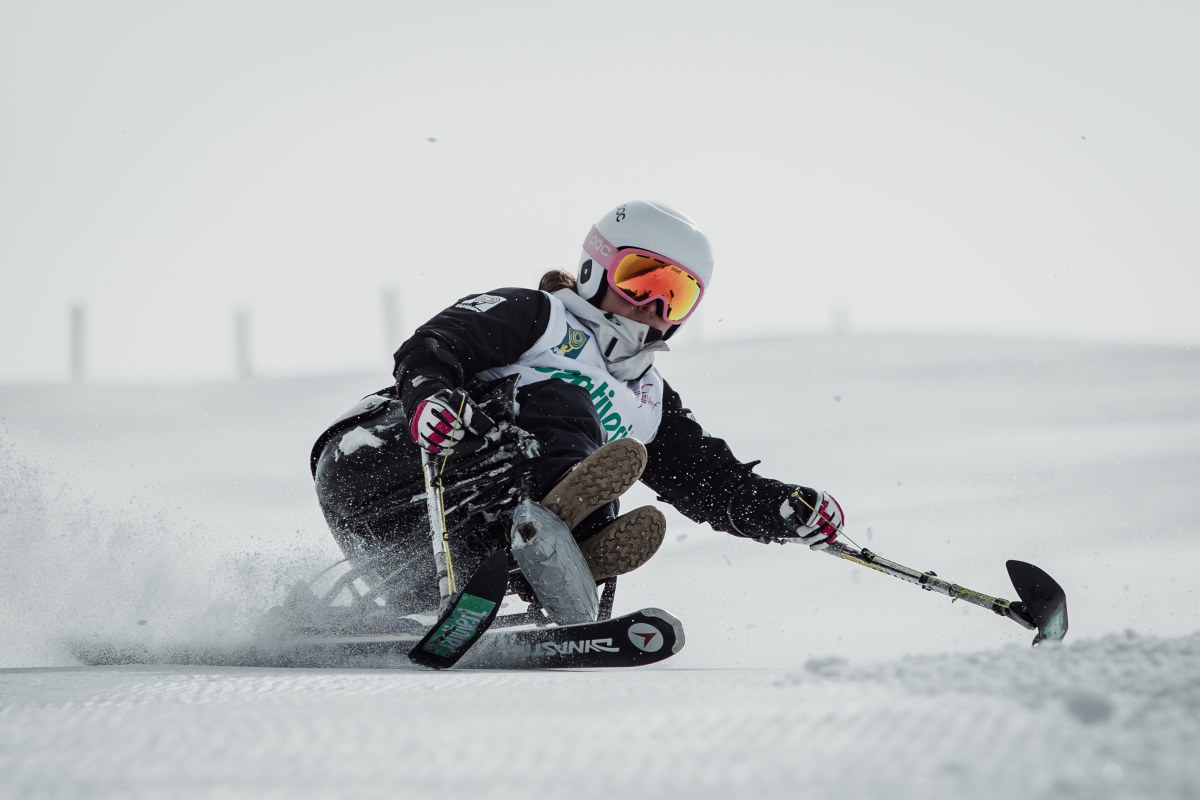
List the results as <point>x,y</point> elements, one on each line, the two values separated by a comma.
<point>1042,600</point>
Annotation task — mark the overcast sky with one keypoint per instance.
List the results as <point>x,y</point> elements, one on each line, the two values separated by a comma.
<point>1016,168</point>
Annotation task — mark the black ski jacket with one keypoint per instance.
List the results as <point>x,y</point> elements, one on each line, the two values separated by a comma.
<point>693,471</point>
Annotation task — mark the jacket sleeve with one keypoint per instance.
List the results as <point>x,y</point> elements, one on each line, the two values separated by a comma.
<point>699,475</point>
<point>476,333</point>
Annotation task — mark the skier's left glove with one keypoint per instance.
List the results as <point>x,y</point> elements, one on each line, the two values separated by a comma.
<point>814,516</point>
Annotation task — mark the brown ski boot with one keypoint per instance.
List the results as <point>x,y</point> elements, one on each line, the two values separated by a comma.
<point>597,480</point>
<point>626,543</point>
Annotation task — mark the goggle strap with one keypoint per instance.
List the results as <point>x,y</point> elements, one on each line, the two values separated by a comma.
<point>602,251</point>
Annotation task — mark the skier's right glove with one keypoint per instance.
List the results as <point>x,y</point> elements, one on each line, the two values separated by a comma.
<point>814,516</point>
<point>440,421</point>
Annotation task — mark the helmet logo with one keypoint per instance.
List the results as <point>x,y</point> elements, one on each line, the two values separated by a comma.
<point>620,213</point>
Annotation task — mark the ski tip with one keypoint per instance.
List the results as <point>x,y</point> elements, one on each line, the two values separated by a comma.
<point>673,621</point>
<point>1044,599</point>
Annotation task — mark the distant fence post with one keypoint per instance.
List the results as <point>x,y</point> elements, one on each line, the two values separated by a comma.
<point>241,343</point>
<point>839,319</point>
<point>78,344</point>
<point>391,319</point>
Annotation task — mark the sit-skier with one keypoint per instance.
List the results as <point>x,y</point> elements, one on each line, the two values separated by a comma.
<point>580,351</point>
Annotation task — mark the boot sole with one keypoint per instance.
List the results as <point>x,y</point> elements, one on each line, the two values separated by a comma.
<point>625,543</point>
<point>599,479</point>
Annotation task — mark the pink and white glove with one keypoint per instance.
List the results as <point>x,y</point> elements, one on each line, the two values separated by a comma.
<point>815,520</point>
<point>439,422</point>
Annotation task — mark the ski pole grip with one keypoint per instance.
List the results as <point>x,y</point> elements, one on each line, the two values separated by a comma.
<point>481,423</point>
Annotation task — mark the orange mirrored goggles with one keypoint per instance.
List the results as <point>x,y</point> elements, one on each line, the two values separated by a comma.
<point>643,277</point>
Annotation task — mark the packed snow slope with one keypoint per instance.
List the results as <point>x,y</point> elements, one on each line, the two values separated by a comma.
<point>181,512</point>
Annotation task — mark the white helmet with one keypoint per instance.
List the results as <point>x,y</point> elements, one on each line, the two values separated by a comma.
<point>655,227</point>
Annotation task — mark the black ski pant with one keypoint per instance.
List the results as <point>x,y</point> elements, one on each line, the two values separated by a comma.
<point>368,474</point>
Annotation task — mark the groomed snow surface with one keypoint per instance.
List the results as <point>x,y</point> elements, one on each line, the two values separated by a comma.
<point>179,513</point>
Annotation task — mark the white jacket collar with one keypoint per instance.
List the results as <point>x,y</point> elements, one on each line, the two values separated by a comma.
<point>622,341</point>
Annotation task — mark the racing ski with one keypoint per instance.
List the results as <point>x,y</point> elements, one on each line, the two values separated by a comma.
<point>642,637</point>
